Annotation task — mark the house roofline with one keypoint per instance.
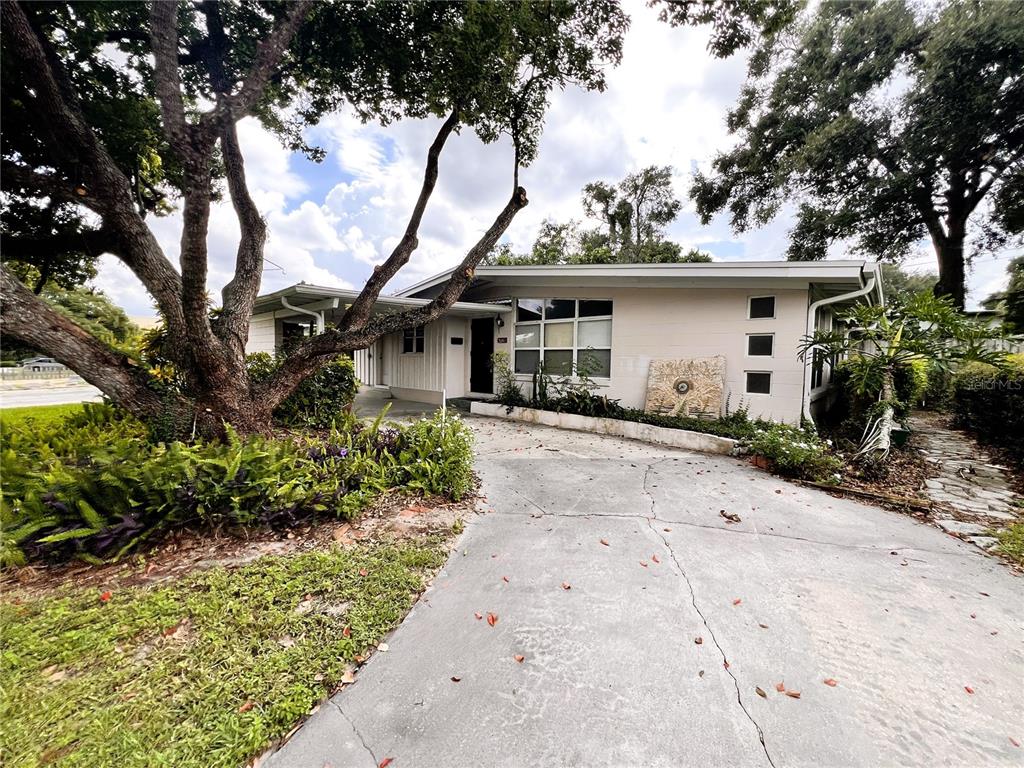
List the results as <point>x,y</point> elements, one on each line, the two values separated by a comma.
<point>813,271</point>
<point>270,302</point>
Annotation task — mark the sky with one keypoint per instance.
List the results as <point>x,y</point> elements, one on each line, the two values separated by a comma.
<point>331,222</point>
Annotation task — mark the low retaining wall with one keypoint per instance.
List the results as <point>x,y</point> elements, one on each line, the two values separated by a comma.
<point>676,438</point>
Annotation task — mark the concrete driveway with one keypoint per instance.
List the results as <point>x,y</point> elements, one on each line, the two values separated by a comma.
<point>677,626</point>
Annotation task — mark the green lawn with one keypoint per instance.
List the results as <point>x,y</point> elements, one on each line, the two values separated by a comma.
<point>1011,542</point>
<point>42,415</point>
<point>205,672</point>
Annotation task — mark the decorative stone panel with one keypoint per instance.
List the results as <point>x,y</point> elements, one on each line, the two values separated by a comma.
<point>692,387</point>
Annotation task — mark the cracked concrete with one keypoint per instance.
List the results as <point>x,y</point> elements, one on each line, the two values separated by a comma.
<point>901,615</point>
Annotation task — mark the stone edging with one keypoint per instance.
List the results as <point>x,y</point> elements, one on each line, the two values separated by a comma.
<point>676,438</point>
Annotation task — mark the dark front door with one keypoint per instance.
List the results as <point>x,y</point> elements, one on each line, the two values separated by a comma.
<point>481,377</point>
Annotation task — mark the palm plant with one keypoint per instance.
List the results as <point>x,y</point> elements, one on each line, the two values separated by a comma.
<point>876,341</point>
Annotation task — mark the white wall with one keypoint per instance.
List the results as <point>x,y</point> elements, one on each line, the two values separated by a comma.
<point>673,323</point>
<point>456,356</point>
<point>262,334</point>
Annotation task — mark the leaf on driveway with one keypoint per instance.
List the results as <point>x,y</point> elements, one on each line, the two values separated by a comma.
<point>643,563</point>
<point>698,640</point>
<point>505,579</point>
<point>780,687</point>
<point>655,558</point>
<point>605,542</point>
<point>1014,742</point>
<point>831,683</point>
<point>760,692</point>
<point>969,689</point>
<point>385,762</point>
<point>478,615</point>
<point>793,694</point>
<point>566,585</point>
<point>737,601</point>
<point>725,663</point>
<point>456,679</point>
<point>519,657</point>
<point>763,626</point>
<point>492,619</point>
<point>730,517</point>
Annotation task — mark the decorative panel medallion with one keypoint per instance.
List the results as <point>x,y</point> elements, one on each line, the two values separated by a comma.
<point>692,387</point>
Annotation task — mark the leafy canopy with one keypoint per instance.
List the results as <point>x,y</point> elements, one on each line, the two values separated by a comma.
<point>889,122</point>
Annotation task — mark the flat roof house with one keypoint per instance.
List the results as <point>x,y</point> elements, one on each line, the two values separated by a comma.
<point>695,338</point>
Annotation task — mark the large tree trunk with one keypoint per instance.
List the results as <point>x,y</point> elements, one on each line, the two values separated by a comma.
<point>952,272</point>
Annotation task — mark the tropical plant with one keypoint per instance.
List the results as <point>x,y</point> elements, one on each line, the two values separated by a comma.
<point>875,342</point>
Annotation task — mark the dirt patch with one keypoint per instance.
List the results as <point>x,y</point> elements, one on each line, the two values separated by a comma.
<point>395,516</point>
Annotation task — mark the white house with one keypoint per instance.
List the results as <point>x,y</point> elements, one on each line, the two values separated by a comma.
<point>746,318</point>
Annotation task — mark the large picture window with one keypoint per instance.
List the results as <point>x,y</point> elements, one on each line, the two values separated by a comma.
<point>569,335</point>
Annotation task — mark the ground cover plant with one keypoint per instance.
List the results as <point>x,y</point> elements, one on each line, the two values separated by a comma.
<point>96,487</point>
<point>207,671</point>
<point>43,416</point>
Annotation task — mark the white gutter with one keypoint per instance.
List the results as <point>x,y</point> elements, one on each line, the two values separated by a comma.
<point>320,323</point>
<point>812,313</point>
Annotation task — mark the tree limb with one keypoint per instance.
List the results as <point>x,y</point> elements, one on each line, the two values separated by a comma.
<point>70,139</point>
<point>312,353</point>
<point>163,23</point>
<point>360,310</point>
<point>31,320</point>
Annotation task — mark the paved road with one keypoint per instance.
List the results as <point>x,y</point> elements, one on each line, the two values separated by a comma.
<point>649,660</point>
<point>17,398</point>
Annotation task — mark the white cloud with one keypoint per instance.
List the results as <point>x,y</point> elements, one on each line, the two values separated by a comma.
<point>330,223</point>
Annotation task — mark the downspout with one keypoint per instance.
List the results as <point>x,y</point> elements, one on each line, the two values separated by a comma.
<point>320,324</point>
<point>812,312</point>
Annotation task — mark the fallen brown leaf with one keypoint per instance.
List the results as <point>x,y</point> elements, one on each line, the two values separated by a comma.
<point>969,689</point>
<point>519,657</point>
<point>505,579</point>
<point>346,632</point>
<point>566,585</point>
<point>701,673</point>
<point>349,675</point>
<point>362,571</point>
<point>830,682</point>
<point>1014,742</point>
<point>760,692</point>
<point>385,762</point>
<point>655,558</point>
<point>456,679</point>
<point>793,694</point>
<point>106,596</point>
<point>737,601</point>
<point>643,563</point>
<point>763,626</point>
<point>478,615</point>
<point>605,542</point>
<point>249,704</point>
<point>492,619</point>
<point>699,640</point>
<point>726,664</point>
<point>780,687</point>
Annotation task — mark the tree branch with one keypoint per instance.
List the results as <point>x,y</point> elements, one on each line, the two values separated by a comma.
<point>360,310</point>
<point>163,23</point>
<point>316,350</point>
<point>31,320</point>
<point>94,242</point>
<point>72,141</point>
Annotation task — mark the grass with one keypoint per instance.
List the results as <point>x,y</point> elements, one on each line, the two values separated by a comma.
<point>42,416</point>
<point>1011,543</point>
<point>204,672</point>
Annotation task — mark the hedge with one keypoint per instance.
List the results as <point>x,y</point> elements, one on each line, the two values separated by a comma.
<point>989,402</point>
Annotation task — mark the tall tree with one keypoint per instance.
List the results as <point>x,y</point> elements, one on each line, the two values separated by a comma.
<point>118,140</point>
<point>890,123</point>
<point>1011,301</point>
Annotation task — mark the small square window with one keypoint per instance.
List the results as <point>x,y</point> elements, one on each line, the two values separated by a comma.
<point>759,383</point>
<point>413,340</point>
<point>761,307</point>
<point>760,344</point>
<point>527,360</point>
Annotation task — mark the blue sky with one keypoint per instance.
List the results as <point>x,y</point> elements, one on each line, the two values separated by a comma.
<point>331,222</point>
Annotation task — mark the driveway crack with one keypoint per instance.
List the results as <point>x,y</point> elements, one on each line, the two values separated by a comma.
<point>703,618</point>
<point>355,730</point>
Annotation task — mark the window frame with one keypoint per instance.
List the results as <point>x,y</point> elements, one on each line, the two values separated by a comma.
<point>775,306</point>
<point>746,383</point>
<point>418,335</point>
<point>769,356</point>
<point>541,325</point>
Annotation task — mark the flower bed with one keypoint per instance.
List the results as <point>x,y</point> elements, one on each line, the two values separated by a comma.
<point>95,487</point>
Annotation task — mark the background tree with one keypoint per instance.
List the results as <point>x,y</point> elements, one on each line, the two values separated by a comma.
<point>900,285</point>
<point>1011,301</point>
<point>113,112</point>
<point>891,123</point>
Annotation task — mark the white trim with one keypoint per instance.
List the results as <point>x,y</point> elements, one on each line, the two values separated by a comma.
<point>746,383</point>
<point>775,306</point>
<point>746,347</point>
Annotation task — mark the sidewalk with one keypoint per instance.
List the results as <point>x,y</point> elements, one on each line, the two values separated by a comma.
<point>968,480</point>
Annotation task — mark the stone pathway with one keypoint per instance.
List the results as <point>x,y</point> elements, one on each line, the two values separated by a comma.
<point>967,480</point>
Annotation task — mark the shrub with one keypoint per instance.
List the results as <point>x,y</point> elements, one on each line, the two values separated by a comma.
<point>96,489</point>
<point>319,399</point>
<point>797,452</point>
<point>938,394</point>
<point>509,393</point>
<point>989,401</point>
